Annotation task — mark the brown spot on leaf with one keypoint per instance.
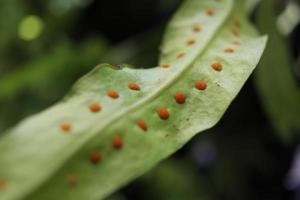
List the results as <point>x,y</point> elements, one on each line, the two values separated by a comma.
<point>235,32</point>
<point>200,85</point>
<point>217,66</point>
<point>95,157</point>
<point>95,107</point>
<point>164,65</point>
<point>117,142</point>
<point>181,54</point>
<point>2,184</point>
<point>113,94</point>
<point>163,113</point>
<point>196,28</point>
<point>236,22</point>
<point>134,86</point>
<point>180,97</point>
<point>65,127</point>
<point>229,50</point>
<point>236,42</point>
<point>190,42</point>
<point>72,180</point>
<point>142,124</point>
<point>210,11</point>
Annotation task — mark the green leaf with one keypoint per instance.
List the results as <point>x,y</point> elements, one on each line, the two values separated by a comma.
<point>250,5</point>
<point>39,156</point>
<point>173,175</point>
<point>63,59</point>
<point>289,18</point>
<point>276,85</point>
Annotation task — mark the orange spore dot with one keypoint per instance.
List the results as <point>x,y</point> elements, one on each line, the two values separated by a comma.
<point>163,113</point>
<point>95,157</point>
<point>229,50</point>
<point>180,97</point>
<point>65,127</point>
<point>191,42</point>
<point>236,42</point>
<point>117,142</point>
<point>196,28</point>
<point>200,85</point>
<point>95,107</point>
<point>113,94</point>
<point>142,124</point>
<point>217,66</point>
<point>164,65</point>
<point>181,54</point>
<point>235,32</point>
<point>236,22</point>
<point>210,11</point>
<point>134,86</point>
<point>2,184</point>
<point>72,180</point>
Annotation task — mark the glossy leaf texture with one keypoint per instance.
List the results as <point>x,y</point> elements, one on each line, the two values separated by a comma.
<point>117,123</point>
<point>276,84</point>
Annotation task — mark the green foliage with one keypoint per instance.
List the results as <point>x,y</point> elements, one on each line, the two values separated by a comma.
<point>173,175</point>
<point>40,156</point>
<point>289,18</point>
<point>275,82</point>
<point>251,5</point>
<point>11,13</point>
<point>52,66</point>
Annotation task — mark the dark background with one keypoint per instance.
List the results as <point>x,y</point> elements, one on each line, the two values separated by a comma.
<point>241,158</point>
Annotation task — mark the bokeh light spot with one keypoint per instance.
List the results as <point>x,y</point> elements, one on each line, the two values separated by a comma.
<point>30,27</point>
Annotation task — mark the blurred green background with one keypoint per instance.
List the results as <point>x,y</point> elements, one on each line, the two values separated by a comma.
<point>45,46</point>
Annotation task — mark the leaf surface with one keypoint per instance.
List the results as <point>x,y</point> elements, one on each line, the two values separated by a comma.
<point>43,162</point>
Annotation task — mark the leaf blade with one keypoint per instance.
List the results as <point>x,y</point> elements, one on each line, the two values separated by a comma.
<point>89,134</point>
<point>275,83</point>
